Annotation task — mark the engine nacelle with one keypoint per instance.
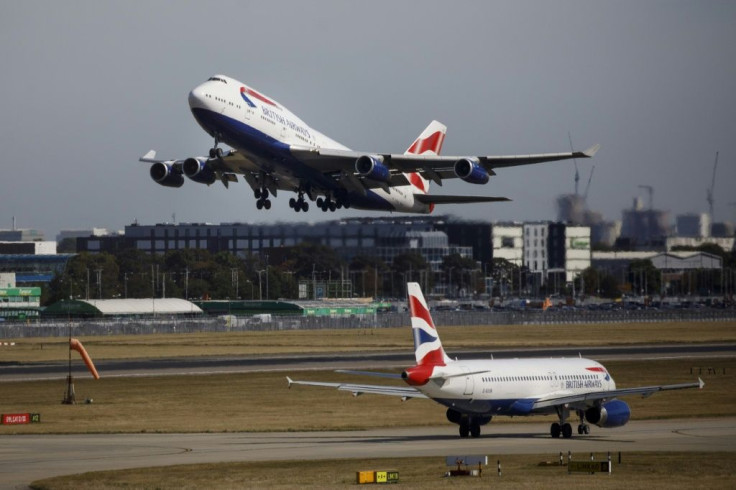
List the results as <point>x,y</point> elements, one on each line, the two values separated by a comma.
<point>164,174</point>
<point>471,171</point>
<point>417,375</point>
<point>372,167</point>
<point>610,414</point>
<point>198,170</point>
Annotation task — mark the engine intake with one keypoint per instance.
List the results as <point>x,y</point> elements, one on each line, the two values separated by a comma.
<point>610,414</point>
<point>165,174</point>
<point>372,167</point>
<point>199,170</point>
<point>471,171</point>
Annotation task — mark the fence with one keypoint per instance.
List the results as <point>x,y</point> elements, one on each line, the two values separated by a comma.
<point>158,325</point>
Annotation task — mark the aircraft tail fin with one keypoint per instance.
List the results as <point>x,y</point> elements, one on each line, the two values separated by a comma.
<point>427,345</point>
<point>429,142</point>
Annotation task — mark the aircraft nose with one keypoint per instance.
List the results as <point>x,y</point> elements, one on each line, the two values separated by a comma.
<point>197,98</point>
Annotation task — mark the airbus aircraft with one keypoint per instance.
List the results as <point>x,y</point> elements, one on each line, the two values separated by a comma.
<point>273,150</point>
<point>477,390</point>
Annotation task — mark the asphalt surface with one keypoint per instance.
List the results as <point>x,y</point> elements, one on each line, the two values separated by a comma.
<point>107,368</point>
<point>26,458</point>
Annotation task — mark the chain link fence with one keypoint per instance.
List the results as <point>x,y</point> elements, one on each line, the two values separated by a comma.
<point>173,325</point>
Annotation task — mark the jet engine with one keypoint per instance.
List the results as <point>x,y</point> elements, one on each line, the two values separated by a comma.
<point>198,170</point>
<point>372,167</point>
<point>471,171</point>
<point>610,414</point>
<point>165,174</point>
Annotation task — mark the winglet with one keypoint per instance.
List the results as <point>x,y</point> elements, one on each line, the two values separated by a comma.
<point>151,155</point>
<point>590,152</point>
<point>701,384</point>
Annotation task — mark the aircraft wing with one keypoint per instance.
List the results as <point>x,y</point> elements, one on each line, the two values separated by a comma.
<point>433,167</point>
<point>588,398</point>
<point>358,389</point>
<point>436,199</point>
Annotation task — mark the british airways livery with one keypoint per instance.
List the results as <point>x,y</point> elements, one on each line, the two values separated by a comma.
<point>273,150</point>
<point>475,391</point>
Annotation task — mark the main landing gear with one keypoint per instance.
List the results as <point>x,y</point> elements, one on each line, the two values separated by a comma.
<point>299,204</point>
<point>263,200</point>
<point>329,204</point>
<point>564,428</point>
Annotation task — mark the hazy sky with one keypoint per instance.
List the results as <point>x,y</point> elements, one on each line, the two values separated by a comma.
<point>88,87</point>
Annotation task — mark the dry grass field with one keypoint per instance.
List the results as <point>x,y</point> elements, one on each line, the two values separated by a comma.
<point>637,471</point>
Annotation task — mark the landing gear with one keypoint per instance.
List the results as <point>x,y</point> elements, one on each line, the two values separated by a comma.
<point>469,427</point>
<point>299,204</point>
<point>583,428</point>
<point>262,198</point>
<point>216,152</point>
<point>331,205</point>
<point>562,427</point>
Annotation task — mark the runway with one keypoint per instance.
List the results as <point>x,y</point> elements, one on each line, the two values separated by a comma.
<point>25,458</point>
<point>211,365</point>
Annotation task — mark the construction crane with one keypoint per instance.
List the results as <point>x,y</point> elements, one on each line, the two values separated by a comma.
<point>710,191</point>
<point>587,186</point>
<point>650,190</point>
<point>575,161</point>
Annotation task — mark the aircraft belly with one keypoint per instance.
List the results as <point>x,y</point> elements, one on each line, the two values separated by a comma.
<point>510,407</point>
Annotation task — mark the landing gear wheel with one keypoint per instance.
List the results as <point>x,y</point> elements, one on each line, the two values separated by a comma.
<point>320,201</point>
<point>475,430</point>
<point>305,206</point>
<point>586,429</point>
<point>464,429</point>
<point>566,431</point>
<point>257,193</point>
<point>259,204</point>
<point>267,204</point>
<point>292,203</point>
<point>218,152</point>
<point>332,206</point>
<point>213,152</point>
<point>555,430</point>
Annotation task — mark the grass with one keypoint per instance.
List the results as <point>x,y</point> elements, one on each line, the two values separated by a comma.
<point>486,337</point>
<point>649,471</point>
<point>246,401</point>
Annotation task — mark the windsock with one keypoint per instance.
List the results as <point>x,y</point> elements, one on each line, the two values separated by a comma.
<point>77,346</point>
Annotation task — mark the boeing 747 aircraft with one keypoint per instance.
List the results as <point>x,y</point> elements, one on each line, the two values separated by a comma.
<point>475,391</point>
<point>274,150</point>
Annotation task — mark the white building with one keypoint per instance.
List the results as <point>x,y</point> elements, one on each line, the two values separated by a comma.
<point>508,242</point>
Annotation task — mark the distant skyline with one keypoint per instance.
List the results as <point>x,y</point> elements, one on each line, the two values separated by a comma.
<point>90,86</point>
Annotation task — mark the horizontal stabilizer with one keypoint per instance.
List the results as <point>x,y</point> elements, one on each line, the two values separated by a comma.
<point>435,199</point>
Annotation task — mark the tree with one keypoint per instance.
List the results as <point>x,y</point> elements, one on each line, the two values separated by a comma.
<point>457,269</point>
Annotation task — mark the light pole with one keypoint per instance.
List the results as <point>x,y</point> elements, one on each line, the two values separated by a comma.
<point>260,287</point>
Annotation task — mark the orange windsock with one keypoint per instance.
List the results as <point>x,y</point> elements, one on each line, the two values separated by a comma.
<point>77,346</point>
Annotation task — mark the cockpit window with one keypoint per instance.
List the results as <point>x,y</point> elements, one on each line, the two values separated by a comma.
<point>216,79</point>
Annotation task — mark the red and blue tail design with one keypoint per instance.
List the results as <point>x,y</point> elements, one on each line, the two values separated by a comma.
<point>428,143</point>
<point>427,345</point>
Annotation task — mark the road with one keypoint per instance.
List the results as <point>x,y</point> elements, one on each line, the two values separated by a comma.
<point>26,458</point>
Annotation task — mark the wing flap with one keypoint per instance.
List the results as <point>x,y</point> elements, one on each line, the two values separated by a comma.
<point>359,389</point>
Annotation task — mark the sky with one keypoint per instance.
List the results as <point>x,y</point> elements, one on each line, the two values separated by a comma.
<point>87,87</point>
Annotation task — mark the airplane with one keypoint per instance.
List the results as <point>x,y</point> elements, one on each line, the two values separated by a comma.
<point>475,391</point>
<point>274,150</point>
